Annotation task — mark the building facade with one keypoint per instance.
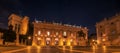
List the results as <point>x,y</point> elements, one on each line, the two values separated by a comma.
<point>19,24</point>
<point>46,33</point>
<point>108,31</point>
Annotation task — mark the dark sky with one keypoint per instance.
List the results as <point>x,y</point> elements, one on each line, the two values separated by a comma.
<point>76,12</point>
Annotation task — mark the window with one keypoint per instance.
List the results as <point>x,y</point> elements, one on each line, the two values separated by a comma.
<point>56,33</point>
<point>64,33</point>
<point>48,33</point>
<point>39,32</point>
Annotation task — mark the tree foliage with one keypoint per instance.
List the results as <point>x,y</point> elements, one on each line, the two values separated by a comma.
<point>9,35</point>
<point>81,33</point>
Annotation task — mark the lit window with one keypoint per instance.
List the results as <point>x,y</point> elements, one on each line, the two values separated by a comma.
<point>29,37</point>
<point>64,40</point>
<point>56,33</point>
<point>38,38</point>
<point>71,40</point>
<point>47,42</point>
<point>56,39</point>
<point>48,33</point>
<point>48,39</point>
<point>64,33</point>
<point>103,40</point>
<point>39,32</point>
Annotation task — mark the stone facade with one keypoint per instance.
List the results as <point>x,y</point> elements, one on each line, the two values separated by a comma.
<point>46,33</point>
<point>108,31</point>
<point>20,25</point>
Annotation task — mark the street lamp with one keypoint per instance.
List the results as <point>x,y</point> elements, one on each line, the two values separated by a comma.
<point>29,40</point>
<point>29,37</point>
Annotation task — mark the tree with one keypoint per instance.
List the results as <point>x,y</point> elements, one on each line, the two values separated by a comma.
<point>9,35</point>
<point>81,34</point>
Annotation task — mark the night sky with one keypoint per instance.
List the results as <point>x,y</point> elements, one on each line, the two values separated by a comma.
<point>75,12</point>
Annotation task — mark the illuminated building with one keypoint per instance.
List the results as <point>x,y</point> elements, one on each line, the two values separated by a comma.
<point>108,31</point>
<point>46,33</point>
<point>20,24</point>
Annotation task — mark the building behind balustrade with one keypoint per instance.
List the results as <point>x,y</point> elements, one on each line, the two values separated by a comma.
<point>108,31</point>
<point>46,33</point>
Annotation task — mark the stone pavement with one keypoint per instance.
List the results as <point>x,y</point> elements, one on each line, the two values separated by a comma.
<point>4,48</point>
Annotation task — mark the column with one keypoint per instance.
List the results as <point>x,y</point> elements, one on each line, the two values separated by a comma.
<point>17,35</point>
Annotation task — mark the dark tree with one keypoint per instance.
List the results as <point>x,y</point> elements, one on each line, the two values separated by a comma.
<point>81,34</point>
<point>9,35</point>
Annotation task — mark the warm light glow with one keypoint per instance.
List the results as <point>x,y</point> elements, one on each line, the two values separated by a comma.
<point>93,48</point>
<point>56,33</point>
<point>56,39</point>
<point>93,40</point>
<point>104,34</point>
<point>68,43</point>
<point>41,35</point>
<point>104,49</point>
<point>48,39</point>
<point>48,33</point>
<point>38,49</point>
<point>28,49</point>
<point>71,40</point>
<point>34,44</point>
<point>63,40</point>
<point>35,34</point>
<point>71,34</point>
<point>54,36</point>
<point>64,33</point>
<point>24,25</point>
<point>48,42</point>
<point>63,47</point>
<point>98,42</point>
<point>38,38</point>
<point>103,40</point>
<point>29,37</point>
<point>39,32</point>
<point>71,48</point>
